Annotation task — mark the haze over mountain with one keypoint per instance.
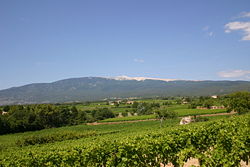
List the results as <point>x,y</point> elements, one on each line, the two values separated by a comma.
<point>98,88</point>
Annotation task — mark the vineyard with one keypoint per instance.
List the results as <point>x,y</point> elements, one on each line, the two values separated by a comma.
<point>129,83</point>
<point>224,142</point>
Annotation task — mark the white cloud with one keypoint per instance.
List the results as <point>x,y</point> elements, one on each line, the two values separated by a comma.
<point>242,15</point>
<point>245,14</point>
<point>139,60</point>
<point>244,26</point>
<point>234,74</point>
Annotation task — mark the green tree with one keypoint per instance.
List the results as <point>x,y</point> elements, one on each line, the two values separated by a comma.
<point>239,102</point>
<point>81,117</point>
<point>135,104</point>
<point>155,105</point>
<point>116,104</point>
<point>6,108</point>
<point>165,114</point>
<point>143,109</point>
<point>208,103</point>
<point>102,113</point>
<point>167,103</point>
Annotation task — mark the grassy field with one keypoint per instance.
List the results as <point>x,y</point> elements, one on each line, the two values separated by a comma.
<point>131,118</point>
<point>187,112</point>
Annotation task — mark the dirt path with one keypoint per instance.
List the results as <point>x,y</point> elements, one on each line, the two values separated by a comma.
<point>120,122</point>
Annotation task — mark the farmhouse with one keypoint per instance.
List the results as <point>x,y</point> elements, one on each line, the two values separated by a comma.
<point>130,102</point>
<point>3,113</point>
<point>217,107</point>
<point>211,107</point>
<point>111,103</point>
<point>118,101</point>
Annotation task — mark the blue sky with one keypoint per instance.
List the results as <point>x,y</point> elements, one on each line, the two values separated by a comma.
<point>45,41</point>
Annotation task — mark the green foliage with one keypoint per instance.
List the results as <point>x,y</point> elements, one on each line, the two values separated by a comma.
<point>208,103</point>
<point>21,118</point>
<point>102,113</point>
<point>4,125</point>
<point>239,102</point>
<point>200,119</point>
<point>167,103</point>
<point>133,118</point>
<point>220,143</point>
<point>178,101</point>
<point>181,110</point>
<point>190,112</point>
<point>135,104</point>
<point>166,114</point>
<point>51,138</point>
<point>6,108</point>
<point>155,105</point>
<point>205,101</point>
<point>124,114</point>
<point>145,108</point>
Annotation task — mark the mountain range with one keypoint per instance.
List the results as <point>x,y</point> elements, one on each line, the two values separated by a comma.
<point>98,88</point>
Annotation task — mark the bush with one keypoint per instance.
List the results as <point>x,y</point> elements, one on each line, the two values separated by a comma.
<point>102,113</point>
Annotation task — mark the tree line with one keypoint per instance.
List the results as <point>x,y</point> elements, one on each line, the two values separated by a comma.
<point>21,118</point>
